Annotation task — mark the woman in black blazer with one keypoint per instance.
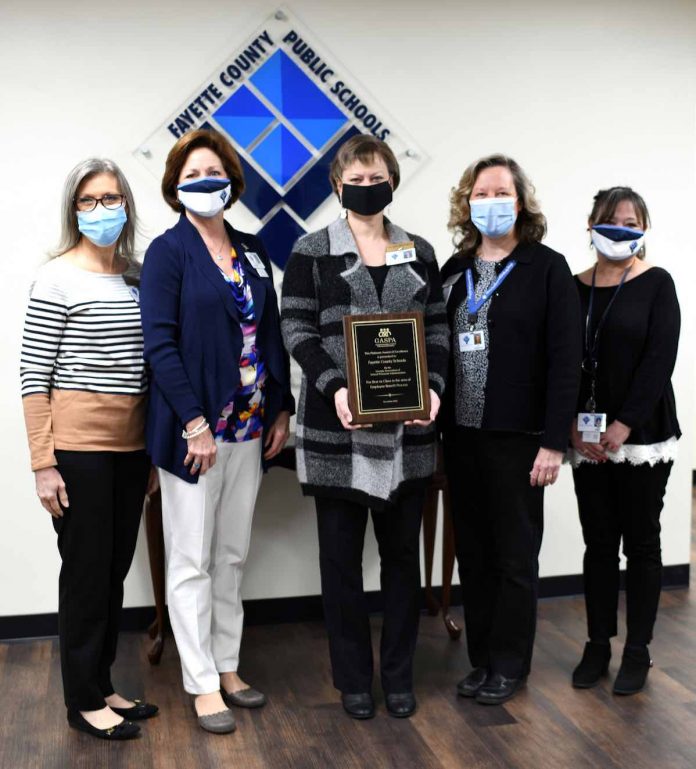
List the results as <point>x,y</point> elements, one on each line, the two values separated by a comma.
<point>515,362</point>
<point>631,322</point>
<point>220,389</point>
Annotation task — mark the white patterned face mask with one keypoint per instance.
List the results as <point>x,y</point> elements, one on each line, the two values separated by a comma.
<point>617,243</point>
<point>206,196</point>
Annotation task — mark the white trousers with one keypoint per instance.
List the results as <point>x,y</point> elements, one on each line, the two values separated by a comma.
<point>207,527</point>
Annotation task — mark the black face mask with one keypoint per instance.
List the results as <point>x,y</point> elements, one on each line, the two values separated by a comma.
<point>365,199</point>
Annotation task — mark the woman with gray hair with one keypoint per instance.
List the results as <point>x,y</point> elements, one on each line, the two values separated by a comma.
<point>84,386</point>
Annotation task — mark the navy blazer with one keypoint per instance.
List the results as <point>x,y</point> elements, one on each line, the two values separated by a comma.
<point>193,338</point>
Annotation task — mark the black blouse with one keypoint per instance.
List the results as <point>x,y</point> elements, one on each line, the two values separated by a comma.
<point>534,351</point>
<point>636,354</point>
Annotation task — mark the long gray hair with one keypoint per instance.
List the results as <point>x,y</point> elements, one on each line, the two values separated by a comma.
<point>70,235</point>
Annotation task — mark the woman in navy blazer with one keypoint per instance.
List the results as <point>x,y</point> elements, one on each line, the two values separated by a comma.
<point>220,387</point>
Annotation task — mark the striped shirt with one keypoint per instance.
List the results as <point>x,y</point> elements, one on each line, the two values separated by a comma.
<point>82,370</point>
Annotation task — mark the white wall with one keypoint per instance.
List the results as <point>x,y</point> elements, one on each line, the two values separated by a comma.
<point>583,95</point>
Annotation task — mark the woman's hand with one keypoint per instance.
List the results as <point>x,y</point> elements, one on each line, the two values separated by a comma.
<point>201,449</point>
<point>278,435</point>
<point>434,408</point>
<point>50,488</point>
<point>593,451</point>
<point>342,410</point>
<point>545,468</point>
<point>616,435</point>
<point>152,482</point>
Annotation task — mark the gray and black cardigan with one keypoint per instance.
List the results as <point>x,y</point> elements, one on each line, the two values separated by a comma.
<point>325,279</point>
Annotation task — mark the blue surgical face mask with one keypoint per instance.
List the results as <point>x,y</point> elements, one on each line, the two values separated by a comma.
<point>102,226</point>
<point>617,243</point>
<point>205,196</point>
<point>493,217</point>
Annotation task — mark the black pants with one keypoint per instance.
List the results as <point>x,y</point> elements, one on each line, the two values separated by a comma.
<point>498,522</point>
<point>621,501</point>
<point>341,527</point>
<point>96,540</point>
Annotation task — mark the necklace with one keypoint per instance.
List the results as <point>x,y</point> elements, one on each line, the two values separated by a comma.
<point>216,253</point>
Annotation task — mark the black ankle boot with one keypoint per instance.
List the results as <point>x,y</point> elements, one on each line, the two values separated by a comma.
<point>593,665</point>
<point>633,673</point>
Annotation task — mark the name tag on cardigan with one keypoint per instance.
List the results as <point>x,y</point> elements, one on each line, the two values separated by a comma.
<point>401,253</point>
<point>257,263</point>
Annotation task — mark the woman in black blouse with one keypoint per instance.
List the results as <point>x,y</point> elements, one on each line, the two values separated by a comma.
<point>512,388</point>
<point>631,329</point>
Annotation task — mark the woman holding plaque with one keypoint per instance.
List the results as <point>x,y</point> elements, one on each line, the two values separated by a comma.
<point>515,368</point>
<point>363,264</point>
<point>623,456</point>
<point>220,404</point>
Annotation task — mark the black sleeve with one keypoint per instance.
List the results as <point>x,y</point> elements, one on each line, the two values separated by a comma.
<point>564,355</point>
<point>657,361</point>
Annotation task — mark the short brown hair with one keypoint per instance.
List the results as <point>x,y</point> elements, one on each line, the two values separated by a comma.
<point>178,154</point>
<point>363,147</point>
<point>531,223</point>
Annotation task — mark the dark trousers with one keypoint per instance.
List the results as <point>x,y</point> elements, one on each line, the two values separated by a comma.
<point>498,522</point>
<point>96,541</point>
<point>341,527</point>
<point>621,501</point>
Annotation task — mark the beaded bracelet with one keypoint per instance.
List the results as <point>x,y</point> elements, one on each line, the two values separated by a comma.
<point>198,429</point>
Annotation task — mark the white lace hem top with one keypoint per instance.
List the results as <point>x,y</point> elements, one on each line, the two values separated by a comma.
<point>634,454</point>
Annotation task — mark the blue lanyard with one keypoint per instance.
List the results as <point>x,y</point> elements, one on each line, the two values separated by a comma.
<point>473,306</point>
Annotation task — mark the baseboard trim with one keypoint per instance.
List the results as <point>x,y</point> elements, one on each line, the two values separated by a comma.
<point>270,611</point>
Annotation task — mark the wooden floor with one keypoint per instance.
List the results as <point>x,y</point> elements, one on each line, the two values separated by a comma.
<point>549,725</point>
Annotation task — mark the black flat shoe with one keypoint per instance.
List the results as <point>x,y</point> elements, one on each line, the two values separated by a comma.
<point>137,712</point>
<point>470,684</point>
<point>633,673</point>
<point>593,665</point>
<point>123,731</point>
<point>360,706</point>
<point>498,689</point>
<point>401,705</point>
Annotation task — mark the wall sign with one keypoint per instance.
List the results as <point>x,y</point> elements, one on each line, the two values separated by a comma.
<point>286,105</point>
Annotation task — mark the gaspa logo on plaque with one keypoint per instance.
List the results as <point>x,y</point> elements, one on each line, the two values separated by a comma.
<point>287,105</point>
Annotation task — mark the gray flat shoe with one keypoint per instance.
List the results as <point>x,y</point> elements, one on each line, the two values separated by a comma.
<point>217,723</point>
<point>245,698</point>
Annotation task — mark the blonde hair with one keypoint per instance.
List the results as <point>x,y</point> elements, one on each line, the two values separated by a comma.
<point>531,223</point>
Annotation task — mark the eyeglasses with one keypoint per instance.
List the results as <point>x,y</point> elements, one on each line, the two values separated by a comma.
<point>88,203</point>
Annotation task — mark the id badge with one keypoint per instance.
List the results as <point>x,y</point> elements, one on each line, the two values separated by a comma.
<point>591,436</point>
<point>472,340</point>
<point>588,422</point>
<point>257,263</point>
<point>401,253</point>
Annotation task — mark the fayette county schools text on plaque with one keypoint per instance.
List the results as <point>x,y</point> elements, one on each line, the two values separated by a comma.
<point>386,366</point>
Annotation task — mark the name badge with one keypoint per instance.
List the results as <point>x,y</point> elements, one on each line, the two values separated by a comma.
<point>257,263</point>
<point>591,436</point>
<point>134,291</point>
<point>401,253</point>
<point>472,340</point>
<point>588,422</point>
